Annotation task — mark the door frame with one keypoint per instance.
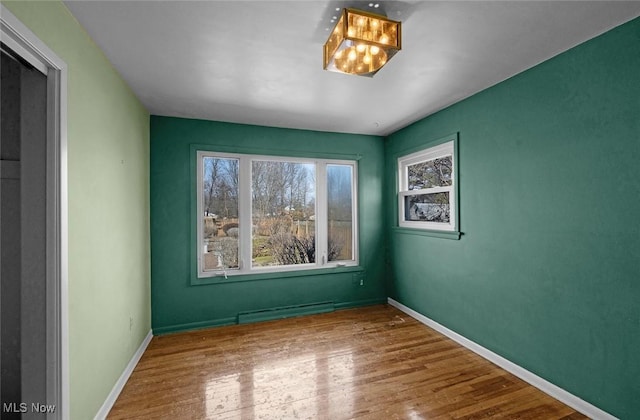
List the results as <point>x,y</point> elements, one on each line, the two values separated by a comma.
<point>24,42</point>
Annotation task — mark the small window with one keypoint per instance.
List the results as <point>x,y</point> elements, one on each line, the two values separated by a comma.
<point>427,189</point>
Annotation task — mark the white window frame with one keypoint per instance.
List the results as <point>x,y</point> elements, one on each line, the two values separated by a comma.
<point>435,152</point>
<point>245,214</point>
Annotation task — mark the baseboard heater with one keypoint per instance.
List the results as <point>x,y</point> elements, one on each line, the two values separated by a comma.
<point>285,312</point>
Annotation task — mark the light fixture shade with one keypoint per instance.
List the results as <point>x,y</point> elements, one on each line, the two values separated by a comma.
<point>361,43</point>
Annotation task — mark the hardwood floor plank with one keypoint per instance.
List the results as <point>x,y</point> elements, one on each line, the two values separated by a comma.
<point>366,363</point>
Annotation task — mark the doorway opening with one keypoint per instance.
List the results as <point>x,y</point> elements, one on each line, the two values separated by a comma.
<point>33,226</point>
<point>23,323</point>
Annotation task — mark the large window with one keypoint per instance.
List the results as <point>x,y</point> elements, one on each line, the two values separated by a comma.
<point>265,213</point>
<point>427,190</point>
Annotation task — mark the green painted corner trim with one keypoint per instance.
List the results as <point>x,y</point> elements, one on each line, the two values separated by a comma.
<point>194,326</point>
<point>424,232</point>
<point>193,212</point>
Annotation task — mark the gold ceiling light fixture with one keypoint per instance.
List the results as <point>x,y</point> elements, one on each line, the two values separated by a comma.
<point>361,43</point>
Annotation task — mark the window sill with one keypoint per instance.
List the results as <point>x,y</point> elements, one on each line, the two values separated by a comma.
<point>235,278</point>
<point>443,234</point>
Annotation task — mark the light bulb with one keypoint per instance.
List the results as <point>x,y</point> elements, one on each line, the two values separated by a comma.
<point>375,50</point>
<point>352,55</point>
<point>367,59</point>
<point>360,47</point>
<point>384,39</point>
<point>351,32</point>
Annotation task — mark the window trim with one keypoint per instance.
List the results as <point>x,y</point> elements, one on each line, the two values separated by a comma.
<point>246,271</point>
<point>432,150</point>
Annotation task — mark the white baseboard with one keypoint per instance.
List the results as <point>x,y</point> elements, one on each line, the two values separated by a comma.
<point>545,386</point>
<point>119,385</point>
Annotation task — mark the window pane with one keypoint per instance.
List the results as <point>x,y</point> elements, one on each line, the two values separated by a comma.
<point>432,173</point>
<point>340,212</point>
<point>220,205</point>
<point>427,207</point>
<point>283,213</point>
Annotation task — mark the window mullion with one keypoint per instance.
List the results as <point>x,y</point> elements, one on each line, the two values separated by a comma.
<point>433,190</point>
<point>244,213</point>
<point>321,213</point>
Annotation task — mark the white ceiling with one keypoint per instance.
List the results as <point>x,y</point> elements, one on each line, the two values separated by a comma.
<point>260,62</point>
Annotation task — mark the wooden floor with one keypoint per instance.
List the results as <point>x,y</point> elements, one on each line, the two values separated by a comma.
<point>367,363</point>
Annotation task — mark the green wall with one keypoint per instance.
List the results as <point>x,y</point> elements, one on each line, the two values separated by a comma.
<point>179,305</point>
<point>108,186</point>
<point>547,271</point>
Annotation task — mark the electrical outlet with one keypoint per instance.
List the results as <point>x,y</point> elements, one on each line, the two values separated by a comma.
<point>358,278</point>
